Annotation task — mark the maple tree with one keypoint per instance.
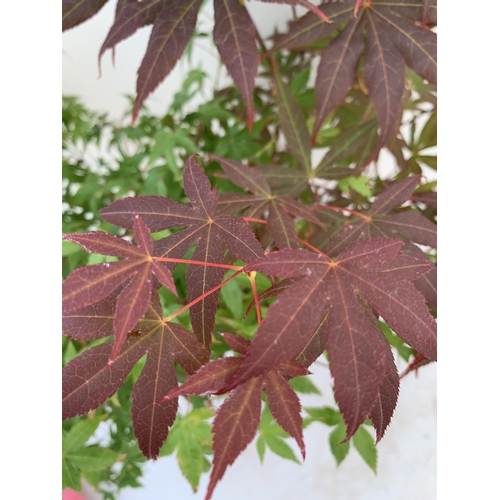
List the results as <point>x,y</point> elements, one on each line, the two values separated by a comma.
<point>351,268</point>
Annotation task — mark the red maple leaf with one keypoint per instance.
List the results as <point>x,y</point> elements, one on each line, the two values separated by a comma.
<point>204,228</point>
<point>370,275</point>
<point>88,380</point>
<point>238,418</point>
<point>278,207</point>
<point>91,284</point>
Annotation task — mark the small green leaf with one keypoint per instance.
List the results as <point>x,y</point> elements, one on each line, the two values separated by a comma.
<point>431,161</point>
<point>93,458</point>
<point>339,451</point>
<point>192,437</point>
<point>79,434</point>
<point>171,442</point>
<point>69,248</point>
<point>162,141</point>
<point>69,352</point>
<point>298,83</point>
<point>403,349</point>
<point>280,447</point>
<point>428,136</point>
<point>325,415</point>
<point>96,258</point>
<point>93,477</point>
<point>261,448</point>
<point>70,476</point>
<point>357,184</point>
<point>233,297</point>
<point>364,443</point>
<point>182,139</point>
<point>190,456</point>
<point>201,414</point>
<point>303,385</point>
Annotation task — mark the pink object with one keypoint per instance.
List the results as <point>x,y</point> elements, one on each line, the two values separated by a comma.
<point>69,494</point>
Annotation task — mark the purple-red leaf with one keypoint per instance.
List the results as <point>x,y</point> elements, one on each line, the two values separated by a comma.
<point>246,177</point>
<point>280,225</point>
<point>293,122</point>
<point>285,407</point>
<point>316,345</point>
<point>201,279</point>
<point>377,222</point>
<point>236,343</point>
<point>204,228</point>
<point>356,354</point>
<point>337,69</point>
<point>237,419</point>
<point>129,19</point>
<point>370,271</point>
<point>75,12</point>
<point>91,284</point>
<point>197,186</point>
<point>234,37</point>
<point>104,243</point>
<point>234,427</point>
<point>171,33</point>
<point>88,380</point>
<point>310,28</point>
<point>417,363</point>
<point>290,323</point>
<point>424,11</point>
<point>156,211</point>
<point>187,350</point>
<point>209,379</point>
<point>417,45</point>
<point>387,396</point>
<point>131,306</point>
<point>90,322</point>
<point>152,419</point>
<point>384,76</point>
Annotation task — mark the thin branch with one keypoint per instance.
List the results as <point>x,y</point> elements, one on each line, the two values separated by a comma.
<point>201,297</point>
<point>198,262</point>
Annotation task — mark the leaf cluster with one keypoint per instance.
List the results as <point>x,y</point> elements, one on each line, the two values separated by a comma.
<point>233,274</point>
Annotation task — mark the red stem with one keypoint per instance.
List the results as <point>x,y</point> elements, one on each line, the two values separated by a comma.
<point>201,297</point>
<point>199,262</point>
<point>251,219</point>
<point>251,277</point>
<point>314,249</point>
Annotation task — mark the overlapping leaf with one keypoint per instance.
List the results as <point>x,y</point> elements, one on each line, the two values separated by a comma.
<point>129,18</point>
<point>204,228</point>
<point>88,380</point>
<point>75,12</point>
<point>293,122</point>
<point>91,284</point>
<point>278,207</point>
<point>377,222</point>
<point>352,147</point>
<point>393,40</point>
<point>311,28</point>
<point>172,30</point>
<point>370,272</point>
<point>234,37</point>
<point>237,420</point>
